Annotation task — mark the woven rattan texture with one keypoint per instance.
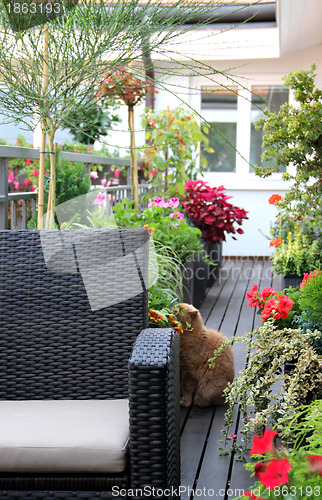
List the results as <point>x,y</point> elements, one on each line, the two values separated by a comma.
<point>53,346</point>
<point>59,495</point>
<point>155,384</point>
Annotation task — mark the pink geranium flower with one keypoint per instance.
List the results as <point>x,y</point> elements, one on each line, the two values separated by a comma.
<point>176,215</point>
<point>11,176</point>
<point>93,174</point>
<point>100,199</point>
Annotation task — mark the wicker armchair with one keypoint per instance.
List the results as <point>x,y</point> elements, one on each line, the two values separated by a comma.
<point>69,339</point>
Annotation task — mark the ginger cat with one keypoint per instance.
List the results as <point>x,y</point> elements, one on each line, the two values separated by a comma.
<point>200,384</point>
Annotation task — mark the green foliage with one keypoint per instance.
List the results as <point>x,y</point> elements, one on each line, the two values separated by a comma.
<point>311,298</point>
<point>170,157</point>
<point>296,255</point>
<point>306,427</point>
<point>261,405</point>
<point>294,135</point>
<point>178,235</point>
<point>71,181</point>
<point>90,122</point>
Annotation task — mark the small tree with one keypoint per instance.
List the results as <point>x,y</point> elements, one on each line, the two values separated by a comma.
<point>294,135</point>
<point>170,157</point>
<point>45,75</point>
<point>124,86</point>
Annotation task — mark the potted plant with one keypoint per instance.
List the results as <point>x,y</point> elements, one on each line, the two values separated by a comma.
<point>294,257</point>
<point>170,228</point>
<point>208,208</point>
<point>276,342</point>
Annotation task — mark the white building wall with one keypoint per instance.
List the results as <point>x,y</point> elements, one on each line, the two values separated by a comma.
<point>248,191</point>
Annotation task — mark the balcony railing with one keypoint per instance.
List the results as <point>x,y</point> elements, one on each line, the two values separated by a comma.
<point>10,202</point>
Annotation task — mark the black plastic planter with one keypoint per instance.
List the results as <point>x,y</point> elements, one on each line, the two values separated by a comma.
<point>194,278</point>
<point>214,253</point>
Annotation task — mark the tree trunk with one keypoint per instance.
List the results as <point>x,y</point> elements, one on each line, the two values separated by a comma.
<point>134,162</point>
<point>50,217</point>
<point>41,181</point>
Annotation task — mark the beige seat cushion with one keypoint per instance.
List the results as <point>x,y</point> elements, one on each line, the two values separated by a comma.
<point>64,436</point>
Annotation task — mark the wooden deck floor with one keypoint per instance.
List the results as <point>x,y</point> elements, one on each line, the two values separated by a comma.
<point>206,474</point>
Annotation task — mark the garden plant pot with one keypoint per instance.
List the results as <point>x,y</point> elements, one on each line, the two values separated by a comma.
<point>293,281</point>
<point>194,280</point>
<point>214,253</point>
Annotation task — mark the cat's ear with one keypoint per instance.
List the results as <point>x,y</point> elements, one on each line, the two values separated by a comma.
<point>194,313</point>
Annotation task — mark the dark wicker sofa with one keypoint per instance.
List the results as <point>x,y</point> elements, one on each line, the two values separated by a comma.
<point>73,313</point>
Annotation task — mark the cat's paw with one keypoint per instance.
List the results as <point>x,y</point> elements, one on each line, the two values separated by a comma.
<point>184,402</point>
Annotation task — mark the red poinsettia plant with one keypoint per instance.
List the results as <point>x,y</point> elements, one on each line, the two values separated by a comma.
<point>282,474</point>
<point>210,211</point>
<point>271,304</point>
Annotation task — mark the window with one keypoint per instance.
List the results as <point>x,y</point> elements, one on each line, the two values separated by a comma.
<point>219,108</point>
<point>272,98</point>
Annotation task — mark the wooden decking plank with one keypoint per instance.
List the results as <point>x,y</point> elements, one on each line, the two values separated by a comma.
<point>232,316</point>
<point>217,314</point>
<point>215,290</point>
<point>214,471</point>
<point>203,469</point>
<point>193,441</point>
<point>240,478</point>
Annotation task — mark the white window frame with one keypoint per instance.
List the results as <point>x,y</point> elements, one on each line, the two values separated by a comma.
<point>242,178</point>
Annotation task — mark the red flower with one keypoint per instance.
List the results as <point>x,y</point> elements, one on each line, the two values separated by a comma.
<point>28,161</point>
<point>277,308</point>
<point>263,444</point>
<point>274,198</point>
<point>275,243</point>
<point>267,291</point>
<point>276,473</point>
<point>315,463</point>
<point>252,296</point>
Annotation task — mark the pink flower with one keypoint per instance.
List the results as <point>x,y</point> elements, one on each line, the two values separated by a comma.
<point>93,174</point>
<point>89,150</point>
<point>16,142</point>
<point>176,215</point>
<point>153,171</point>
<point>157,202</point>
<point>33,188</point>
<point>117,172</point>
<point>35,173</point>
<point>26,182</point>
<point>310,276</point>
<point>28,161</point>
<point>100,199</point>
<point>11,176</point>
<point>173,202</point>
<point>232,436</point>
<point>16,184</point>
<point>103,182</point>
<point>76,151</point>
